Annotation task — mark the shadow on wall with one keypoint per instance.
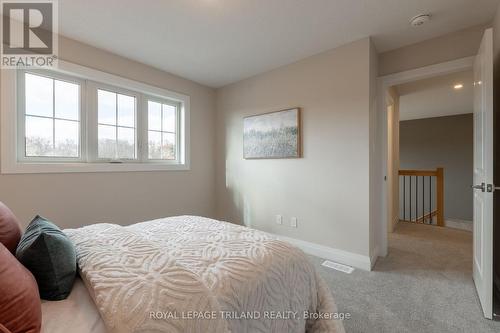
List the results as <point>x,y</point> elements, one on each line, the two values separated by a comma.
<point>236,208</point>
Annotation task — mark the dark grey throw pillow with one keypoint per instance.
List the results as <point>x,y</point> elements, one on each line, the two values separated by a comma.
<point>50,256</point>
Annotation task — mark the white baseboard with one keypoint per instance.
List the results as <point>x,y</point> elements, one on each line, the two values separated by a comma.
<point>347,258</point>
<point>458,224</point>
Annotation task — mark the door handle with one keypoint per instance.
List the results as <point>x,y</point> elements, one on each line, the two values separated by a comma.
<point>481,187</point>
<point>492,188</point>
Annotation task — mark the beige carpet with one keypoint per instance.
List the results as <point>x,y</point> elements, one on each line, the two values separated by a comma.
<point>423,285</point>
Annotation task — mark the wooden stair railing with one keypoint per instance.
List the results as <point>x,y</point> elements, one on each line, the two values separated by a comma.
<point>438,212</point>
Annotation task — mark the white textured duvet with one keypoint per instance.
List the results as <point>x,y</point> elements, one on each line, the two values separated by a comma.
<point>193,274</point>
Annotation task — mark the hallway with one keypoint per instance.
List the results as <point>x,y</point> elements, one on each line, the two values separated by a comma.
<point>423,285</point>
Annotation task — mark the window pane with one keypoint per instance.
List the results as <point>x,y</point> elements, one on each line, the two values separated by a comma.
<point>168,147</point>
<point>154,116</point>
<point>169,112</point>
<point>126,110</point>
<point>126,143</point>
<point>39,95</point>
<point>39,136</point>
<point>67,100</point>
<point>67,138</point>
<point>154,145</point>
<point>106,103</point>
<point>107,142</point>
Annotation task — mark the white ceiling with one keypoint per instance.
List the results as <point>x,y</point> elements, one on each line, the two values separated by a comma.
<point>436,97</point>
<point>216,42</point>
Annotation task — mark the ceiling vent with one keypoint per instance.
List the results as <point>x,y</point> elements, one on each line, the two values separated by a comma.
<point>420,20</point>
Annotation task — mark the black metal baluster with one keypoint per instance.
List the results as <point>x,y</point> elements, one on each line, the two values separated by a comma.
<point>416,199</point>
<point>404,198</point>
<point>410,200</point>
<point>423,199</point>
<point>430,199</point>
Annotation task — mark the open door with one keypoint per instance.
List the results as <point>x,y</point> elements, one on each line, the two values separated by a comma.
<point>483,174</point>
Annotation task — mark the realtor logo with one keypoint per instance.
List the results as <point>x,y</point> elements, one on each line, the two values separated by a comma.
<point>29,36</point>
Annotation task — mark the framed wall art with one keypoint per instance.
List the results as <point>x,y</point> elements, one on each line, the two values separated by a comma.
<point>272,135</point>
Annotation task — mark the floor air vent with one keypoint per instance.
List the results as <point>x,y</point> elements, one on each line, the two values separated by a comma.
<point>337,266</point>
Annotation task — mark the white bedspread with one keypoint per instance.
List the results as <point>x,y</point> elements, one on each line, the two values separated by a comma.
<point>193,274</point>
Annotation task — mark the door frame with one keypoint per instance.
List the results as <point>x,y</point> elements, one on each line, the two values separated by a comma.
<point>383,84</point>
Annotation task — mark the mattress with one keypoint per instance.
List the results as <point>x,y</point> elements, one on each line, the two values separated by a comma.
<point>76,314</point>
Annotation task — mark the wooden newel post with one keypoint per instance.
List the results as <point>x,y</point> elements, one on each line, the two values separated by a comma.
<point>440,196</point>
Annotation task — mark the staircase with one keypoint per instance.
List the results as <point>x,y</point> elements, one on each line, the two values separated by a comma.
<point>421,196</point>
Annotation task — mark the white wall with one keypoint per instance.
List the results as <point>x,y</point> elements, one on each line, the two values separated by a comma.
<point>72,200</point>
<point>329,188</point>
<point>456,45</point>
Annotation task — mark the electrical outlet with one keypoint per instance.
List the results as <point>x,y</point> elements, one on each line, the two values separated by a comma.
<point>293,222</point>
<point>279,219</point>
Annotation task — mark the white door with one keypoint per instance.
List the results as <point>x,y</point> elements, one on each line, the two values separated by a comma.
<point>483,174</point>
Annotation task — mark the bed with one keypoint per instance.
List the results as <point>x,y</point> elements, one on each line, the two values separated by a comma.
<point>191,274</point>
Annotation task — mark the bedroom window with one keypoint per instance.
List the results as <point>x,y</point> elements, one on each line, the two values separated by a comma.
<point>51,119</point>
<point>162,130</point>
<point>116,125</point>
<point>77,119</point>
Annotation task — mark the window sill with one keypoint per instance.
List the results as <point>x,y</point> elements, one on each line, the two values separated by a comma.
<point>35,167</point>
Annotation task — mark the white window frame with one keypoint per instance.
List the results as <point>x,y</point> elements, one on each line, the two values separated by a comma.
<point>92,89</point>
<point>12,148</point>
<point>178,129</point>
<point>21,118</point>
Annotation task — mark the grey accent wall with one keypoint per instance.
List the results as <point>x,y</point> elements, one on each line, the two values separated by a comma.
<point>442,142</point>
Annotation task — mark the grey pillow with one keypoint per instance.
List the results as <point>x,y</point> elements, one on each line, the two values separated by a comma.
<point>50,256</point>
